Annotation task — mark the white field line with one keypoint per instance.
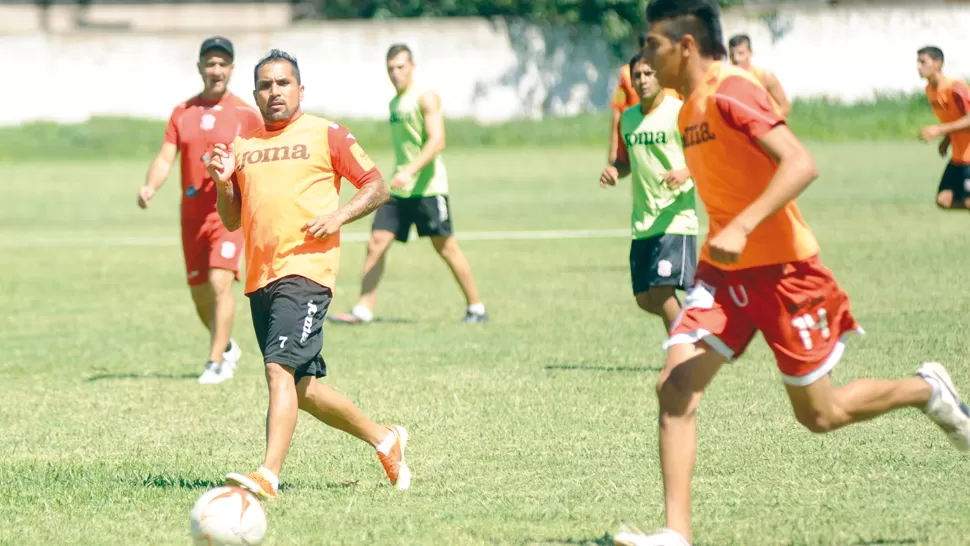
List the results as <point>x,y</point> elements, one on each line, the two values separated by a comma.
<point>121,240</point>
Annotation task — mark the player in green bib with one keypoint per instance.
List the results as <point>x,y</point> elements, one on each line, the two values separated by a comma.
<point>419,191</point>
<point>663,254</point>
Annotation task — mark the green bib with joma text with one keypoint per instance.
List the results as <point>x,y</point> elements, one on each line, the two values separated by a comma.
<point>409,135</point>
<point>654,146</point>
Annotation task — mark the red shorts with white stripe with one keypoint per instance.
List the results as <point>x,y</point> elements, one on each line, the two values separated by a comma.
<point>799,308</point>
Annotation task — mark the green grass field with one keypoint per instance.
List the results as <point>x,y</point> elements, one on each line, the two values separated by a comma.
<point>537,428</point>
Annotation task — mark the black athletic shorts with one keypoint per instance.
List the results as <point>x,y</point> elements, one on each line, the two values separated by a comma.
<point>288,318</point>
<point>664,260</point>
<point>956,178</point>
<point>431,215</point>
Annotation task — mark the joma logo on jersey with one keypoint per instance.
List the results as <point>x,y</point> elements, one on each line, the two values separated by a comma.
<point>698,134</point>
<point>645,137</point>
<point>276,153</point>
<point>399,117</point>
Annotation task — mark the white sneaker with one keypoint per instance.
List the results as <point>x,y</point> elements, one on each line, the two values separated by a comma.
<point>227,369</point>
<point>945,407</point>
<point>664,537</point>
<point>233,354</point>
<point>212,374</point>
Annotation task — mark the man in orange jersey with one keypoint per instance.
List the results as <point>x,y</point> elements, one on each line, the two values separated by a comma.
<point>740,51</point>
<point>759,269</point>
<point>624,97</point>
<point>950,100</point>
<point>281,184</point>
<point>212,253</point>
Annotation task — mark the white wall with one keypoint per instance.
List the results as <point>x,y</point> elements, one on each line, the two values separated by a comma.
<point>486,70</point>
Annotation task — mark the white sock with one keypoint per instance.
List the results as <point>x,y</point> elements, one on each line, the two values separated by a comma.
<point>362,312</point>
<point>477,309</point>
<point>270,477</point>
<point>387,443</point>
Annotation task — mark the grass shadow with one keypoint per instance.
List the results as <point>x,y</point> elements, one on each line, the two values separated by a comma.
<point>885,542</point>
<point>176,482</point>
<point>596,368</point>
<point>605,540</point>
<point>150,375</point>
<point>377,320</point>
<point>180,482</point>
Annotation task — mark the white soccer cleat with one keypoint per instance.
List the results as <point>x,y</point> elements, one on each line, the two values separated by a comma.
<point>212,374</point>
<point>664,537</point>
<point>945,407</point>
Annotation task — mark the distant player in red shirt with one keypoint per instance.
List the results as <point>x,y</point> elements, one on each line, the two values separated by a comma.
<point>740,52</point>
<point>212,253</point>
<point>759,269</point>
<point>950,100</point>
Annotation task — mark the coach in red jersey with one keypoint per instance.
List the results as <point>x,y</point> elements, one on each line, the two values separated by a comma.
<point>212,253</point>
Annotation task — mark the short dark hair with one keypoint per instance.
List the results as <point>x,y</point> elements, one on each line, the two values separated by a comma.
<point>397,49</point>
<point>698,18</point>
<point>273,56</point>
<point>643,39</point>
<point>739,39</point>
<point>634,60</point>
<point>932,52</point>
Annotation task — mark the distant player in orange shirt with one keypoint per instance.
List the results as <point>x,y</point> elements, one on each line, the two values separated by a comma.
<point>740,52</point>
<point>212,253</point>
<point>760,270</point>
<point>281,184</point>
<point>950,100</point>
<point>624,97</point>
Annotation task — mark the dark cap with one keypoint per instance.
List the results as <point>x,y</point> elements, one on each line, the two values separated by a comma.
<point>216,42</point>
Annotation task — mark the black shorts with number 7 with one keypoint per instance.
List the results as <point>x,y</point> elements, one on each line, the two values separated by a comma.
<point>288,319</point>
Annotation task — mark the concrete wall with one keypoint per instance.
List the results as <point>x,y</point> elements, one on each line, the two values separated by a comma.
<point>486,70</point>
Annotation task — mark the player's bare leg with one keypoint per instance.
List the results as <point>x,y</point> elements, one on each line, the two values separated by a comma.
<point>203,298</point>
<point>945,200</point>
<point>450,252</point>
<point>821,407</point>
<point>282,414</point>
<point>337,411</point>
<point>224,309</point>
<point>280,424</point>
<point>661,301</point>
<point>688,371</point>
<point>377,246</point>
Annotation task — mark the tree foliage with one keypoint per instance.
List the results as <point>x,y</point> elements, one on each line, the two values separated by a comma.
<point>617,18</point>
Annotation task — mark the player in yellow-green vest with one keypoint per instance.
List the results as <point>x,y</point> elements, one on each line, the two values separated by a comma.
<point>663,254</point>
<point>419,191</point>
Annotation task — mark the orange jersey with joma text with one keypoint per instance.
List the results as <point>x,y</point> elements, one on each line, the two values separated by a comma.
<point>721,123</point>
<point>287,176</point>
<point>950,101</point>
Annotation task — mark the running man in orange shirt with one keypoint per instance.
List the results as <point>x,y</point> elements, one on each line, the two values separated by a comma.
<point>281,184</point>
<point>759,269</point>
<point>740,52</point>
<point>950,100</point>
<point>212,253</point>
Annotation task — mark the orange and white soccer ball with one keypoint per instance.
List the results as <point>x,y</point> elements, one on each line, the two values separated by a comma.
<point>228,516</point>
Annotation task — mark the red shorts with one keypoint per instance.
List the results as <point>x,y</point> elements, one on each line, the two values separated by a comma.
<point>207,244</point>
<point>798,307</point>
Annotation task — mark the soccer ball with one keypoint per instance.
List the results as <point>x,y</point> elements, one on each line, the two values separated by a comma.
<point>228,516</point>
